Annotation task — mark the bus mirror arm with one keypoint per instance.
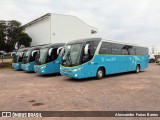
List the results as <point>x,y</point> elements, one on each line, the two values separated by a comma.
<point>86,49</point>
<point>34,52</point>
<point>12,53</point>
<point>50,51</point>
<point>59,50</point>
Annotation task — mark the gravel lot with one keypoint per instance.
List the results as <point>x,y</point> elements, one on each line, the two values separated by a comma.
<point>21,91</point>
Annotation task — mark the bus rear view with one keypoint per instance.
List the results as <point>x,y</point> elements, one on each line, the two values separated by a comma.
<point>48,59</point>
<point>96,57</point>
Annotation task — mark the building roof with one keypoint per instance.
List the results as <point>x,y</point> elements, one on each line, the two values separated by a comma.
<point>94,30</point>
<point>36,20</point>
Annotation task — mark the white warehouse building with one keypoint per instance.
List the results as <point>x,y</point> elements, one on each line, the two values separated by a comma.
<point>57,28</point>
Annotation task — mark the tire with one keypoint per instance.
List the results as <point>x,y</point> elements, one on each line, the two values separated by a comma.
<point>137,69</point>
<point>100,73</point>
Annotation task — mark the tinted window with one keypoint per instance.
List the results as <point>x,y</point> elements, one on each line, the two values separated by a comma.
<point>116,49</point>
<point>91,51</point>
<point>53,55</point>
<point>105,48</point>
<point>121,49</point>
<point>32,58</point>
<point>132,50</point>
<point>92,48</point>
<point>129,50</point>
<point>146,51</point>
<point>124,50</point>
<point>138,51</point>
<point>142,51</point>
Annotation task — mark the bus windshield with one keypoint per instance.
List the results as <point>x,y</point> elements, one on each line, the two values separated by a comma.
<point>72,54</point>
<point>42,56</point>
<point>16,57</point>
<point>26,58</point>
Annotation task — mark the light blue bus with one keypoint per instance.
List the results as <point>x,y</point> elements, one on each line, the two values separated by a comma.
<point>48,59</point>
<point>17,58</point>
<point>29,59</point>
<point>96,57</point>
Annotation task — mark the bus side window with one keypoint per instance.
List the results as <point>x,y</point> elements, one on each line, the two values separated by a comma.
<point>146,52</point>
<point>142,51</point>
<point>92,48</point>
<point>124,50</point>
<point>33,57</point>
<point>135,50</point>
<point>20,58</point>
<point>132,50</point>
<point>116,49</point>
<point>54,54</point>
<point>105,48</point>
<point>91,51</point>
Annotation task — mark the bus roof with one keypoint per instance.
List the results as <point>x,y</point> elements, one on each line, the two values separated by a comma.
<point>34,48</point>
<point>40,46</point>
<point>120,42</point>
<point>23,49</point>
<point>53,45</point>
<point>28,48</point>
<point>84,40</point>
<point>100,39</point>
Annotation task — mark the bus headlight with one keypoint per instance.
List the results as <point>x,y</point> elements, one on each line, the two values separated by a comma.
<point>27,65</point>
<point>77,69</point>
<point>75,75</point>
<point>43,67</point>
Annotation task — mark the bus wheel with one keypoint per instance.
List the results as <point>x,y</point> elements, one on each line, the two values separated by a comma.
<point>100,73</point>
<point>137,69</point>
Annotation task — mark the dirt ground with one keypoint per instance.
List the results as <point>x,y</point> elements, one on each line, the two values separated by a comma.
<point>5,60</point>
<point>21,91</point>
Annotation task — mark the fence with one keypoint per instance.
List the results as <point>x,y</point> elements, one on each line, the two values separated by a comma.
<point>5,58</point>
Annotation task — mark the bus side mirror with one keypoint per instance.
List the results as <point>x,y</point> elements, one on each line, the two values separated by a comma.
<point>86,49</point>
<point>34,52</point>
<point>59,50</point>
<point>50,51</point>
<point>12,53</point>
<point>21,54</point>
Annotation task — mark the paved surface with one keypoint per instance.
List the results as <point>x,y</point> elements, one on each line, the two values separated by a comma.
<point>123,92</point>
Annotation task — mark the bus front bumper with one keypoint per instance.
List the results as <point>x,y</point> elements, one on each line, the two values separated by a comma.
<point>46,69</point>
<point>28,67</point>
<point>71,72</point>
<point>16,66</point>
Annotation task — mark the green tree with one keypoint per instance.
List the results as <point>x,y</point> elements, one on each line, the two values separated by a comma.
<point>13,31</point>
<point>24,39</point>
<point>2,34</point>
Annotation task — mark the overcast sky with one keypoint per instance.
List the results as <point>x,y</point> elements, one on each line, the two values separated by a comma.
<point>135,21</point>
